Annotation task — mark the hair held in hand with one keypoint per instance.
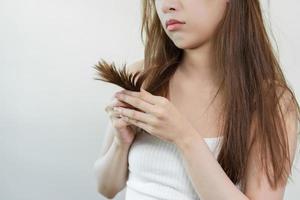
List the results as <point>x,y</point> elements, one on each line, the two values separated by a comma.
<point>121,76</point>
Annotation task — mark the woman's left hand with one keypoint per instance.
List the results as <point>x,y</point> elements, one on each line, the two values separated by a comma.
<point>157,115</point>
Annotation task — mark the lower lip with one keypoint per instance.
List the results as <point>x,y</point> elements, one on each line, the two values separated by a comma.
<point>173,27</point>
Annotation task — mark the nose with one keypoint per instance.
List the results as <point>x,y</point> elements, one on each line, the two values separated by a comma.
<point>169,6</point>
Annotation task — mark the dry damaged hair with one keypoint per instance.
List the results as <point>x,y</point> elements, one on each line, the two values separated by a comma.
<point>257,95</point>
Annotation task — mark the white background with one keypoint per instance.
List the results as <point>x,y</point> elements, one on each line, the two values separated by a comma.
<point>52,114</point>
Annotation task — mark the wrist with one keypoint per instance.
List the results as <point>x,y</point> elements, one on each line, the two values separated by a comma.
<point>187,138</point>
<point>118,143</point>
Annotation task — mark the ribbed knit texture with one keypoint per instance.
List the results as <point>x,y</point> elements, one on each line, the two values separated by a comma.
<point>156,170</point>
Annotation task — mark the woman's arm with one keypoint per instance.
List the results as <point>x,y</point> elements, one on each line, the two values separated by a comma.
<point>111,169</point>
<point>212,182</point>
<point>207,176</point>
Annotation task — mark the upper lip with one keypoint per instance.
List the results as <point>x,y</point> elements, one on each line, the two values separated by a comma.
<point>173,21</point>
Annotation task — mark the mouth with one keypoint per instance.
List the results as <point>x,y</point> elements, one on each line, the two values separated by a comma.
<point>173,23</point>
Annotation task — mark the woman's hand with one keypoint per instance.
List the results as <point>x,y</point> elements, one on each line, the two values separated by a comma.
<point>125,132</point>
<point>156,115</point>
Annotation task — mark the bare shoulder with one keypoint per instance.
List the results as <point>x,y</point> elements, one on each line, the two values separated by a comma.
<point>137,65</point>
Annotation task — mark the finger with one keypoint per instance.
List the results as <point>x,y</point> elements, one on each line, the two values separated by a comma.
<point>119,123</point>
<point>114,114</point>
<point>139,124</point>
<point>136,115</point>
<point>115,102</point>
<point>137,103</point>
<point>118,103</point>
<point>144,95</point>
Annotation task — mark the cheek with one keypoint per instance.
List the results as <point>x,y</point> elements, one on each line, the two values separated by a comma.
<point>203,20</point>
<point>203,24</point>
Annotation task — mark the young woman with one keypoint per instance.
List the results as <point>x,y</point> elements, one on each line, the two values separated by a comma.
<point>211,79</point>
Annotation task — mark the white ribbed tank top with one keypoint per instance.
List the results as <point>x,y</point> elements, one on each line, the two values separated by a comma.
<point>156,170</point>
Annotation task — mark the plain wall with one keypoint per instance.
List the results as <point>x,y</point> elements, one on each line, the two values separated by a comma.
<point>52,116</point>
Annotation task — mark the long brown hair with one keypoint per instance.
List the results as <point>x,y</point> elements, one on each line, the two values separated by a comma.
<point>252,81</point>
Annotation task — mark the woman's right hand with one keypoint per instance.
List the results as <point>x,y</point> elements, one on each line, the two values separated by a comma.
<point>125,132</point>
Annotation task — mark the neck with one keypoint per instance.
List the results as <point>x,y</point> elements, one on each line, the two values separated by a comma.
<point>197,65</point>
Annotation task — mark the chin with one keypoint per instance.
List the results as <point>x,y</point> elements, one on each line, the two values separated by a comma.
<point>183,44</point>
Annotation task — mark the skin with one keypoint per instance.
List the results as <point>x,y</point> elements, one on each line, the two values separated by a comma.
<point>194,37</point>
<point>166,119</point>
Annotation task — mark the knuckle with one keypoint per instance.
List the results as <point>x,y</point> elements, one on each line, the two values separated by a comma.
<point>155,122</point>
<point>160,113</point>
<point>151,129</point>
<point>164,101</point>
